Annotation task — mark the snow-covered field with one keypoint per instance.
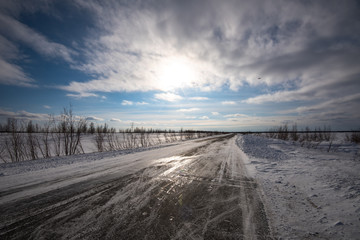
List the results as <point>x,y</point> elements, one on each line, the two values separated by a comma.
<point>309,193</point>
<point>214,188</point>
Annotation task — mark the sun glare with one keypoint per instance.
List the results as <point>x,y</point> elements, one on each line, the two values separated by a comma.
<point>176,72</point>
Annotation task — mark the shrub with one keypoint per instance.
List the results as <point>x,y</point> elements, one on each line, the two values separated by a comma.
<point>353,137</point>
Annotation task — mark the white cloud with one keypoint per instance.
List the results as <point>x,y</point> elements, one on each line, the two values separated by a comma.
<point>204,117</point>
<point>142,103</point>
<point>126,102</point>
<point>228,103</point>
<point>82,95</point>
<point>13,32</point>
<point>12,74</point>
<point>336,104</point>
<point>46,106</point>
<point>215,113</point>
<point>188,110</point>
<point>115,120</point>
<point>22,33</point>
<point>289,51</point>
<point>199,98</point>
<point>235,115</point>
<point>254,43</point>
<point>93,118</point>
<point>23,115</point>
<point>170,97</point>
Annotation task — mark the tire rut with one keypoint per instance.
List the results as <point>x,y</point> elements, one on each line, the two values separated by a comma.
<point>178,199</point>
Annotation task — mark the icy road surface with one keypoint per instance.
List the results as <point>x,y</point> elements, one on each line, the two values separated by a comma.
<point>192,190</point>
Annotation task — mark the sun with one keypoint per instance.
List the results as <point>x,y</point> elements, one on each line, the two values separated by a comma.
<point>175,73</point>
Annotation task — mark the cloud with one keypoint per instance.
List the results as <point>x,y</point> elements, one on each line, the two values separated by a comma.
<point>126,102</point>
<point>142,103</point>
<point>336,104</point>
<point>14,34</point>
<point>129,103</point>
<point>326,89</point>
<point>215,113</point>
<point>12,74</point>
<point>204,118</point>
<point>23,115</point>
<point>233,119</point>
<point>170,97</point>
<point>228,103</point>
<point>93,118</point>
<point>19,32</point>
<point>293,52</point>
<point>199,98</point>
<point>188,110</point>
<point>235,115</point>
<point>115,120</point>
<point>46,106</point>
<point>82,95</point>
<point>289,46</point>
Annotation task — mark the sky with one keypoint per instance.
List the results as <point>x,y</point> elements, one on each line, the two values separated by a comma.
<point>199,64</point>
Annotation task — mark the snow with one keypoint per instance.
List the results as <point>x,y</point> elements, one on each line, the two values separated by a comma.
<point>26,178</point>
<point>309,193</point>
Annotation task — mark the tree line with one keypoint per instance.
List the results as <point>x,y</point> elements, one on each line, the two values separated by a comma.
<point>63,135</point>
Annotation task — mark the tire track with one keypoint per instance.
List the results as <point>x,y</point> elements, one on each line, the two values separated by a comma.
<point>203,194</point>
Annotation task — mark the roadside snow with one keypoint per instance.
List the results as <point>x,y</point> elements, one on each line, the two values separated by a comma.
<point>310,193</point>
<point>55,162</point>
<point>29,178</point>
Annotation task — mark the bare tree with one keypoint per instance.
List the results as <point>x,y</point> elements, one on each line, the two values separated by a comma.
<point>283,132</point>
<point>57,138</point>
<point>294,133</point>
<point>92,128</point>
<point>99,138</point>
<point>44,141</point>
<point>31,142</point>
<point>71,131</point>
<point>14,142</point>
<point>2,152</point>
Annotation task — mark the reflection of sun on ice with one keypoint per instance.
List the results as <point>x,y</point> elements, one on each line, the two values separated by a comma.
<point>176,72</point>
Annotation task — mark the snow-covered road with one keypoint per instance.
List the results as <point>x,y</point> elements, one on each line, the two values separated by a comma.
<point>196,189</point>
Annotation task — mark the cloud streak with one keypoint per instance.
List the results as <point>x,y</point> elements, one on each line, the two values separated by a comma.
<point>24,115</point>
<point>13,33</point>
<point>188,110</point>
<point>126,103</point>
<point>93,118</point>
<point>170,97</point>
<point>17,31</point>
<point>228,103</point>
